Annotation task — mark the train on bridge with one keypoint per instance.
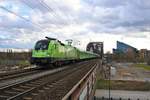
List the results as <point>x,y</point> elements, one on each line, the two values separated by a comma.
<point>53,51</point>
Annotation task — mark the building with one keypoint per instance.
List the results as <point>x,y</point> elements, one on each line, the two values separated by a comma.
<point>124,48</point>
<point>144,53</point>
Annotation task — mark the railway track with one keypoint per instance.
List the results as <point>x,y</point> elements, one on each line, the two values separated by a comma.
<point>46,87</point>
<point>16,74</point>
<point>28,68</point>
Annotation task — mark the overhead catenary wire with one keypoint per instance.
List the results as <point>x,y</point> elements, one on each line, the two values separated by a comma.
<point>28,4</point>
<point>4,8</point>
<point>24,2</point>
<point>50,10</point>
<point>65,13</point>
<point>43,4</point>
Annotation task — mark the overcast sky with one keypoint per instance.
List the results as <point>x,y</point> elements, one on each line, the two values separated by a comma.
<point>81,20</point>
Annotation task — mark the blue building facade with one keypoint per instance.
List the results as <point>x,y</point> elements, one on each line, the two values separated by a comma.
<point>123,48</point>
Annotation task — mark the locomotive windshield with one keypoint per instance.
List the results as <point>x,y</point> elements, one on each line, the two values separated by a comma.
<point>42,45</point>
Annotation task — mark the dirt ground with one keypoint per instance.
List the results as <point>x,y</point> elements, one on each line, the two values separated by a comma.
<point>127,77</point>
<point>128,71</point>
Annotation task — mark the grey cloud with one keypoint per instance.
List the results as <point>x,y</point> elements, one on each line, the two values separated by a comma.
<point>136,35</point>
<point>106,3</point>
<point>102,16</point>
<point>128,15</point>
<point>36,4</point>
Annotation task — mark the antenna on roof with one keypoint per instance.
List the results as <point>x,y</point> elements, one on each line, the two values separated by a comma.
<point>50,38</point>
<point>69,41</point>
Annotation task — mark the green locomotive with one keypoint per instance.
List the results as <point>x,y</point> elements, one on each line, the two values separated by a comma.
<point>52,51</point>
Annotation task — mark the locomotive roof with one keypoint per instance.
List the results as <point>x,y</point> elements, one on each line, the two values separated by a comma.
<point>49,38</point>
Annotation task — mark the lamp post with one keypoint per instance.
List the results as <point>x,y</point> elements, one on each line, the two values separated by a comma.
<point>109,79</point>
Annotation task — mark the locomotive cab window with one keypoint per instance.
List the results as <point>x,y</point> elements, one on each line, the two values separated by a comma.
<point>42,45</point>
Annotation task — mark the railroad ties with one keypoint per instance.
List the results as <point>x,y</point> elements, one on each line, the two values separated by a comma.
<point>52,86</point>
<point>18,73</point>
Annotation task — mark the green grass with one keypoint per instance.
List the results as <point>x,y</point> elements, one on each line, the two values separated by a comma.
<point>123,85</point>
<point>144,66</point>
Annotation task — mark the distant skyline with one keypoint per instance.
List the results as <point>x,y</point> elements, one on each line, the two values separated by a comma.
<point>23,22</point>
